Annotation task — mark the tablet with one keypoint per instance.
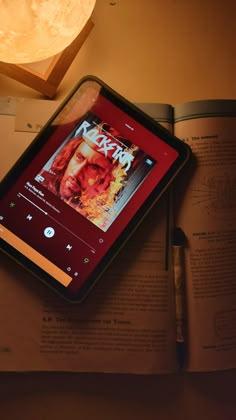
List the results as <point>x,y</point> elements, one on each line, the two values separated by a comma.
<point>83,186</point>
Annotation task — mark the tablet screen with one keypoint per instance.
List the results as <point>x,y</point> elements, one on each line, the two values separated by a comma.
<point>94,169</point>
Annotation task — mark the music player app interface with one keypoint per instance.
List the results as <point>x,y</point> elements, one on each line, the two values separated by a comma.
<point>83,187</point>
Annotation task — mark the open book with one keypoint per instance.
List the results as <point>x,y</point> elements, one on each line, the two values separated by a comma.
<point>128,322</point>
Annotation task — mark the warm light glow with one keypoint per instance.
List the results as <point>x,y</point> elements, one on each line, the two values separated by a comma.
<point>32,30</point>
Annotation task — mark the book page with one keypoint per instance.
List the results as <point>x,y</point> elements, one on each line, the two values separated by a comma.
<point>126,324</point>
<point>205,208</point>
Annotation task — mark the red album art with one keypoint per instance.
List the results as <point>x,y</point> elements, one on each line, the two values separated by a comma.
<point>96,171</point>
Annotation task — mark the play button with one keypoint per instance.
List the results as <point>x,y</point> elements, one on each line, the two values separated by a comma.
<point>49,232</point>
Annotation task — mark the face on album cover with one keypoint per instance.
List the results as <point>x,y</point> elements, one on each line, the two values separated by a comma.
<point>96,171</point>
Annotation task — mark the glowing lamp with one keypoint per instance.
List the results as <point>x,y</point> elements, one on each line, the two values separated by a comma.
<point>33,30</point>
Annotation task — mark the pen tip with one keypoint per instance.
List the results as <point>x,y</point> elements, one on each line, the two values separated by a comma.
<point>178,237</point>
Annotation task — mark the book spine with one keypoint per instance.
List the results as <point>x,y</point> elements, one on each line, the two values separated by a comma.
<point>204,109</point>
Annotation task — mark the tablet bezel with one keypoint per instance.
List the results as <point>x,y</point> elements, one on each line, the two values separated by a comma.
<point>40,140</point>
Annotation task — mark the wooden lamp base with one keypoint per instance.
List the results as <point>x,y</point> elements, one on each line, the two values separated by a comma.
<point>48,82</point>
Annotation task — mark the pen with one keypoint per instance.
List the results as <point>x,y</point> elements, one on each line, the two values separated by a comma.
<point>178,245</point>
